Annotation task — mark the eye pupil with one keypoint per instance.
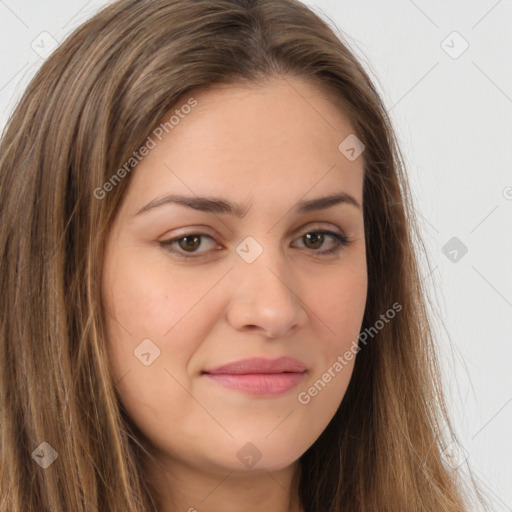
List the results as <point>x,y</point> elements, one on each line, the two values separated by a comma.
<point>194,245</point>
<point>315,237</point>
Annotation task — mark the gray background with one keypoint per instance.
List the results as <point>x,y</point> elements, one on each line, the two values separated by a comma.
<point>452,110</point>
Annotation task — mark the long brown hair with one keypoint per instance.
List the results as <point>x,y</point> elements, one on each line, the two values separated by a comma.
<point>90,106</point>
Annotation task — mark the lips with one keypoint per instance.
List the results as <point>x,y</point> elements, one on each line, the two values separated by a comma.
<point>260,365</point>
<point>259,376</point>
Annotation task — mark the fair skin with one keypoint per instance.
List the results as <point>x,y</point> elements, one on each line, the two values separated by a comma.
<point>268,147</point>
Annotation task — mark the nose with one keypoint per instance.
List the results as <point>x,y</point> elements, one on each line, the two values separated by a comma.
<point>266,298</point>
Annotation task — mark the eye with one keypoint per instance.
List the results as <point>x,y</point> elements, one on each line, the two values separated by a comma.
<point>316,238</point>
<point>186,245</point>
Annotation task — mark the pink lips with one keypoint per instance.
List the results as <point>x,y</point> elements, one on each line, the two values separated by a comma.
<point>259,376</point>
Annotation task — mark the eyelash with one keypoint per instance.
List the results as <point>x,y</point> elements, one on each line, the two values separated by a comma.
<point>341,242</point>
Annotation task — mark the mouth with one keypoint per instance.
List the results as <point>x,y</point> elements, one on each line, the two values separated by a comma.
<point>259,376</point>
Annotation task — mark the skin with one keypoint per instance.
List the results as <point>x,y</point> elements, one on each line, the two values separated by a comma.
<point>270,146</point>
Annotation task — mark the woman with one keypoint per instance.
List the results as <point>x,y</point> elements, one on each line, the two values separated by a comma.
<point>286,364</point>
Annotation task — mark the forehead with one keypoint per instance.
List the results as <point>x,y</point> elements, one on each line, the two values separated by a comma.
<point>282,135</point>
<point>285,110</point>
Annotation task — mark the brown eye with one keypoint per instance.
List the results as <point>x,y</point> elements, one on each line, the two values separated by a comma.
<point>187,244</point>
<point>315,239</point>
<point>191,242</point>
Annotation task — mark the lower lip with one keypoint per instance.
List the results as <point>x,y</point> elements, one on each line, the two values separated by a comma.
<point>260,384</point>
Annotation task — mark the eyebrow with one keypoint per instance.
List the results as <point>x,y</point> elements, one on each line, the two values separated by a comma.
<point>219,205</point>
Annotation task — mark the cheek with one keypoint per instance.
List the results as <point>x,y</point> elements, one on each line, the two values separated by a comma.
<point>167,311</point>
<point>340,305</point>
<point>324,390</point>
<point>147,310</point>
<point>148,296</point>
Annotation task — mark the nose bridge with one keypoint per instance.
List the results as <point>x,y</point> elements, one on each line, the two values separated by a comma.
<point>263,265</point>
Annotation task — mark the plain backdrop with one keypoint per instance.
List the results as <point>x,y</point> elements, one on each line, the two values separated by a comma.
<point>444,72</point>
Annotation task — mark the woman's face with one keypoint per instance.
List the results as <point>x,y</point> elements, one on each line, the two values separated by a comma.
<point>230,288</point>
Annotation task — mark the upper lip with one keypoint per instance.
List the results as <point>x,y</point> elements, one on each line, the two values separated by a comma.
<point>260,365</point>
